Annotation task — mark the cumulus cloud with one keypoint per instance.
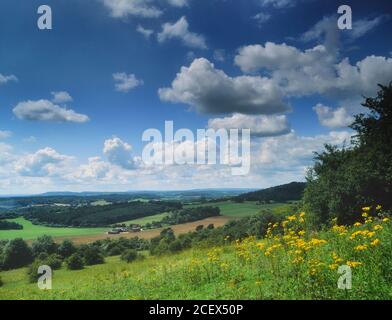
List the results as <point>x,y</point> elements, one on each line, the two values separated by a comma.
<point>212,91</point>
<point>315,70</point>
<point>61,97</point>
<point>44,162</point>
<point>95,169</point>
<point>139,8</point>
<point>125,82</point>
<point>45,110</point>
<point>180,30</point>
<point>119,153</point>
<point>5,79</point>
<point>5,134</point>
<point>333,118</point>
<point>260,126</point>
<point>6,154</point>
<point>147,33</point>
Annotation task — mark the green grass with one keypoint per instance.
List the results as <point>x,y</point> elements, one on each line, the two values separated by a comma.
<point>235,271</point>
<point>149,219</point>
<point>241,210</point>
<point>31,231</point>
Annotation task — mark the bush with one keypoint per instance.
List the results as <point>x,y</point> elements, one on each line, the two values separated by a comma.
<point>75,262</point>
<point>54,261</point>
<point>66,249</point>
<point>44,244</point>
<point>91,255</point>
<point>175,246</point>
<point>129,255</point>
<point>16,254</point>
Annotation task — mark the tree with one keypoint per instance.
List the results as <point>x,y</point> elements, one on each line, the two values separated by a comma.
<point>75,262</point>
<point>44,244</point>
<point>344,180</point>
<point>91,255</point>
<point>66,249</point>
<point>16,254</point>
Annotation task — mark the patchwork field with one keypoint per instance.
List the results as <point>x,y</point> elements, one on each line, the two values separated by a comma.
<point>148,234</point>
<point>31,231</point>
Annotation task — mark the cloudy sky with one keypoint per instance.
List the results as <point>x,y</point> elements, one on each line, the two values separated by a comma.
<point>75,100</point>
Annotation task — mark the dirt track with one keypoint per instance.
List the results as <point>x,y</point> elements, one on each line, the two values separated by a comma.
<point>148,234</point>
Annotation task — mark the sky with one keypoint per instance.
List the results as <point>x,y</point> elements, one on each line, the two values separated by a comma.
<point>76,99</point>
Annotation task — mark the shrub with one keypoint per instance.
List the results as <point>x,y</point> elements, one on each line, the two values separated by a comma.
<point>66,249</point>
<point>44,244</point>
<point>54,261</point>
<point>129,255</point>
<point>91,255</point>
<point>16,254</point>
<point>75,262</point>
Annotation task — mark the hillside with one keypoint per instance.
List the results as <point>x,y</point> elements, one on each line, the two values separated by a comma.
<point>282,193</point>
<point>290,266</point>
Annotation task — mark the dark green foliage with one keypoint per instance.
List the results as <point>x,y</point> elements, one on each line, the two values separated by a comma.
<point>66,249</point>
<point>96,216</point>
<point>54,261</point>
<point>91,254</point>
<point>342,181</point>
<point>10,225</point>
<point>43,244</point>
<point>282,193</point>
<point>129,255</point>
<point>190,215</point>
<point>1,282</point>
<point>16,254</point>
<point>75,262</point>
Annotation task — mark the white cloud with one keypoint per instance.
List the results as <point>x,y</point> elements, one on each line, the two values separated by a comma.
<point>61,97</point>
<point>178,3</point>
<point>315,71</point>
<point>140,8</point>
<point>333,118</point>
<point>6,154</point>
<point>96,169</point>
<point>260,126</point>
<point>261,18</point>
<point>125,82</point>
<point>45,110</point>
<point>44,162</point>
<point>5,134</point>
<point>278,3</point>
<point>5,79</point>
<point>30,139</point>
<point>147,33</point>
<point>212,91</point>
<point>119,153</point>
<point>365,25</point>
<point>180,30</point>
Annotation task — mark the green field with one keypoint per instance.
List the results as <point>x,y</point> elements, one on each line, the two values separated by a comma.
<point>31,231</point>
<point>149,219</point>
<point>241,210</point>
<point>251,269</point>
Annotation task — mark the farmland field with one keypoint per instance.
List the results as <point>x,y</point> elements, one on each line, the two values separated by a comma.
<point>149,219</point>
<point>147,234</point>
<point>31,231</point>
<point>241,210</point>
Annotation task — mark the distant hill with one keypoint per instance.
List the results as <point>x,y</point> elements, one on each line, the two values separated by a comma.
<point>282,193</point>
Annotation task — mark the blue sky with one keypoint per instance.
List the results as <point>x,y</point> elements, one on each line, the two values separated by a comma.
<point>283,47</point>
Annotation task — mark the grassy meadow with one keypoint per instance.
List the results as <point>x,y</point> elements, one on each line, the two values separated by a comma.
<point>293,263</point>
<point>31,231</point>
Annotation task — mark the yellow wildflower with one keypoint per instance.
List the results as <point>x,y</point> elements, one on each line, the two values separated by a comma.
<point>357,224</point>
<point>353,264</point>
<point>385,220</point>
<point>361,247</point>
<point>366,208</point>
<point>379,207</point>
<point>333,266</point>
<point>377,227</point>
<point>375,242</point>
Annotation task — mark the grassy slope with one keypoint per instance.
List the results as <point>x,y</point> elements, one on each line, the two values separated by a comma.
<point>234,271</point>
<point>31,231</point>
<point>240,210</point>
